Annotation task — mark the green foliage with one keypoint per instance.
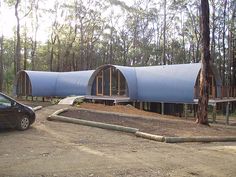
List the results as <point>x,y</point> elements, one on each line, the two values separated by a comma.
<point>55,101</point>
<point>10,2</point>
<point>86,34</point>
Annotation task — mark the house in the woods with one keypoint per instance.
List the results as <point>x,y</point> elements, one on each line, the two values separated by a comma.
<point>51,84</point>
<point>166,83</point>
<point>165,88</point>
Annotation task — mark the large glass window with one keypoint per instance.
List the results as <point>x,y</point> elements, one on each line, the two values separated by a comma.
<point>4,102</point>
<point>110,82</point>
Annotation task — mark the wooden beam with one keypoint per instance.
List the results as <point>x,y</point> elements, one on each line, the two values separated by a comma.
<point>185,110</point>
<point>97,81</point>
<point>134,104</point>
<point>227,114</point>
<point>214,113</point>
<point>162,108</point>
<point>141,105</point>
<point>110,81</point>
<point>118,82</point>
<point>96,85</point>
<point>102,83</point>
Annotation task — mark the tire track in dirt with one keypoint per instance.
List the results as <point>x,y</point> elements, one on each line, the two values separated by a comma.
<point>41,125</point>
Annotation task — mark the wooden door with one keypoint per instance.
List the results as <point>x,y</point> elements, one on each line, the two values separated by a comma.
<point>99,83</point>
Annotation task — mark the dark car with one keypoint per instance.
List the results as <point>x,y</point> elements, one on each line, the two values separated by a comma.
<point>14,114</point>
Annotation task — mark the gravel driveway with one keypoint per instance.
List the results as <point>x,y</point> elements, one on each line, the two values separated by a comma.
<point>61,149</point>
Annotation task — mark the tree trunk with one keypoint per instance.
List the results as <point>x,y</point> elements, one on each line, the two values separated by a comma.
<point>164,36</point>
<point>53,40</point>
<point>232,46</point>
<point>51,58</point>
<point>59,60</point>
<point>17,55</point>
<point>183,39</point>
<point>68,62</point>
<point>34,38</point>
<point>81,47</point>
<point>1,63</point>
<point>202,117</point>
<point>33,53</point>
<point>223,43</point>
<point>220,56</point>
<point>213,42</point>
<point>25,50</point>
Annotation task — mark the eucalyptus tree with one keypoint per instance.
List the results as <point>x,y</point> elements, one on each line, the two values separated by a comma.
<point>1,63</point>
<point>223,41</point>
<point>8,64</point>
<point>20,14</point>
<point>193,29</point>
<point>232,43</point>
<point>54,41</point>
<point>35,27</point>
<point>164,35</point>
<point>202,114</point>
<point>1,51</point>
<point>213,29</point>
<point>17,56</point>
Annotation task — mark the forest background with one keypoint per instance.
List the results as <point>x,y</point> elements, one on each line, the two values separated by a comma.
<point>72,35</point>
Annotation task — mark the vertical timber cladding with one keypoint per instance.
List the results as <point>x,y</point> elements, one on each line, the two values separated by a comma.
<point>110,82</point>
<point>23,87</point>
<point>99,83</point>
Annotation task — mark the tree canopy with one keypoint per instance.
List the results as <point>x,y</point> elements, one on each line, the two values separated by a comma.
<point>83,34</point>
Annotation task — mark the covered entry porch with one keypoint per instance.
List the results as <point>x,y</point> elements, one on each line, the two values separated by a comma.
<point>109,82</point>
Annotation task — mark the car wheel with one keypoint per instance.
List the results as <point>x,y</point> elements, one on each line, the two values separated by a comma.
<point>23,123</point>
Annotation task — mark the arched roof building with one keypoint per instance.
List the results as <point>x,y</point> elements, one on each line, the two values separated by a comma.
<point>49,84</point>
<point>166,83</point>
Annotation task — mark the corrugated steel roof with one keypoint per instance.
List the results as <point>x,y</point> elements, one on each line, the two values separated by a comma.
<point>72,83</point>
<point>167,83</point>
<point>42,83</point>
<point>58,83</point>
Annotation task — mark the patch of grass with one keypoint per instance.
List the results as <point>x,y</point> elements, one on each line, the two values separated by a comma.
<point>55,101</point>
<point>78,102</point>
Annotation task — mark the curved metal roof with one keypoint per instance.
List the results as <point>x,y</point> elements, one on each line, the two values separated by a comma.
<point>58,83</point>
<point>131,79</point>
<point>72,83</point>
<point>167,83</point>
<point>43,83</point>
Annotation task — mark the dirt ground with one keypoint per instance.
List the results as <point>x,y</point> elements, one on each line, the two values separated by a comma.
<point>147,121</point>
<point>129,109</point>
<point>56,149</point>
<point>155,125</point>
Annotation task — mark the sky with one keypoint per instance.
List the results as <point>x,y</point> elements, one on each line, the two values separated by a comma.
<point>8,20</point>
